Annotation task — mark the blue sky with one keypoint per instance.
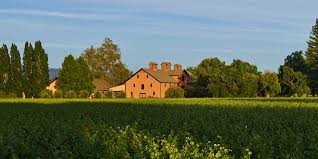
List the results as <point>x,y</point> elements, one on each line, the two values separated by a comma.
<point>180,31</point>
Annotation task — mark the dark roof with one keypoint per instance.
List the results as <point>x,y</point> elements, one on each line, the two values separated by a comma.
<point>101,84</point>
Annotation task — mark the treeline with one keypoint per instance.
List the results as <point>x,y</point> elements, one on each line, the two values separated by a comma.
<point>298,76</point>
<point>27,78</point>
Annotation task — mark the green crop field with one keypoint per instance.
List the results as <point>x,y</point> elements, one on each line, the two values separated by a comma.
<point>159,128</point>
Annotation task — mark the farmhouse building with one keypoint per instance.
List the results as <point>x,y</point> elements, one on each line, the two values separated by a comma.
<point>101,85</point>
<point>153,82</point>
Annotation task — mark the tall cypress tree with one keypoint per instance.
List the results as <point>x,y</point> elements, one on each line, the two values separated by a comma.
<point>312,58</point>
<point>37,70</point>
<point>43,57</point>
<point>5,69</point>
<point>16,71</point>
<point>27,70</point>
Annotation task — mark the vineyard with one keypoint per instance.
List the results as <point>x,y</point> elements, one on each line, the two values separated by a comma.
<point>159,128</point>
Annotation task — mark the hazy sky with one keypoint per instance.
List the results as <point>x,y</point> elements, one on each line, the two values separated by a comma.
<point>180,31</point>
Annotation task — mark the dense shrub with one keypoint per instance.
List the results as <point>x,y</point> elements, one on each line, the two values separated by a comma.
<point>70,94</point>
<point>175,92</point>
<point>120,95</point>
<point>46,94</point>
<point>7,95</point>
<point>83,94</point>
<point>196,92</point>
<point>108,94</point>
<point>98,94</point>
<point>58,94</point>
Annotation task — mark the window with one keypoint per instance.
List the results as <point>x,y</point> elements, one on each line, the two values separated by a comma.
<point>151,85</point>
<point>147,76</point>
<point>137,76</point>
<point>182,78</point>
<point>165,85</point>
<point>153,93</point>
<point>131,94</point>
<point>142,86</point>
<point>134,85</point>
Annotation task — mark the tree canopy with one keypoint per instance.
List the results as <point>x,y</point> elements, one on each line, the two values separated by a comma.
<point>105,62</point>
<point>292,82</point>
<point>312,58</point>
<point>75,76</point>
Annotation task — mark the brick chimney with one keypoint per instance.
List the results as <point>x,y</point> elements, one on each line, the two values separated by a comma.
<point>177,67</point>
<point>153,66</point>
<point>165,66</point>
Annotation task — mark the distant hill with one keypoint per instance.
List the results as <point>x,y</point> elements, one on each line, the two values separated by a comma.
<point>53,72</point>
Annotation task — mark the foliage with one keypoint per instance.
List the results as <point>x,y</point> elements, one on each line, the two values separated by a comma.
<point>120,94</point>
<point>196,92</point>
<point>35,69</point>
<point>98,94</point>
<point>83,94</point>
<point>70,94</point>
<point>16,71</point>
<point>174,92</point>
<point>5,79</point>
<point>105,62</point>
<point>7,95</point>
<point>75,75</point>
<point>297,62</point>
<point>292,82</point>
<point>269,84</point>
<point>46,94</point>
<point>239,79</point>
<point>58,94</point>
<point>244,67</point>
<point>312,58</point>
<point>83,128</point>
<point>108,94</point>
<point>27,70</point>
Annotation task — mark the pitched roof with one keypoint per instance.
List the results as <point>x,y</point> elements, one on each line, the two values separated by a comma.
<point>162,76</point>
<point>101,84</point>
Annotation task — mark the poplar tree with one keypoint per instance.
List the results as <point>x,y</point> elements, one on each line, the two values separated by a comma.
<point>312,58</point>
<point>16,71</point>
<point>37,73</point>
<point>5,78</point>
<point>27,70</point>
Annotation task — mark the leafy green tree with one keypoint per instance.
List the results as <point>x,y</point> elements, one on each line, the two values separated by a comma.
<point>292,82</point>
<point>312,58</point>
<point>226,80</point>
<point>174,92</point>
<point>297,62</point>
<point>85,76</point>
<point>16,71</point>
<point>105,62</point>
<point>5,78</point>
<point>244,67</point>
<point>75,76</point>
<point>249,85</point>
<point>27,70</point>
<point>269,84</point>
<point>68,75</point>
